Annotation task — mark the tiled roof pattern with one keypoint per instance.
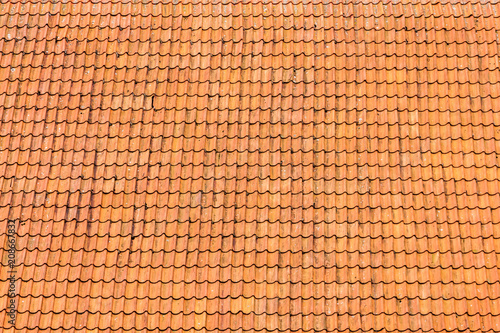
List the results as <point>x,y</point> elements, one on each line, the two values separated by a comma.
<point>251,166</point>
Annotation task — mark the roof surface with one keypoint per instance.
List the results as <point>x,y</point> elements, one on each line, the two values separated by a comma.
<point>250,166</point>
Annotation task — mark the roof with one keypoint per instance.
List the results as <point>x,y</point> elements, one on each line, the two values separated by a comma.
<point>283,166</point>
